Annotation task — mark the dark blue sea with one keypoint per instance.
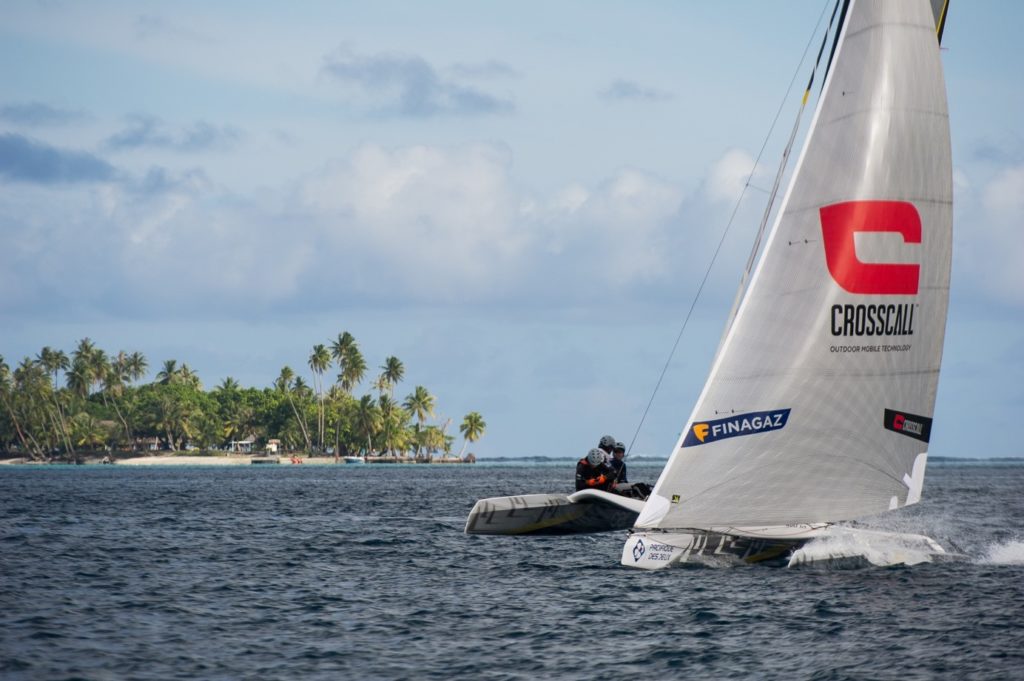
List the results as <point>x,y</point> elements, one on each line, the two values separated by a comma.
<point>338,572</point>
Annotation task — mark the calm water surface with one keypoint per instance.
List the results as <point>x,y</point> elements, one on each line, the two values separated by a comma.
<point>364,572</point>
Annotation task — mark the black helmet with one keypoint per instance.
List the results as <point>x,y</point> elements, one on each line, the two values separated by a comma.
<point>619,447</point>
<point>607,443</point>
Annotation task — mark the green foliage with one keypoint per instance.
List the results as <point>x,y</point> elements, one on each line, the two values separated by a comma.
<point>60,404</point>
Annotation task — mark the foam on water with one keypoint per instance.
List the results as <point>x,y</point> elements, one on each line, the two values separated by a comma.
<point>1004,553</point>
<point>874,547</point>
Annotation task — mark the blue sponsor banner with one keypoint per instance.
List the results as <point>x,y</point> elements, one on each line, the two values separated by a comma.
<point>703,432</point>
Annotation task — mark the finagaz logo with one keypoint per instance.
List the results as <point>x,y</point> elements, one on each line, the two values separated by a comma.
<point>840,222</point>
<point>734,426</point>
<point>700,430</point>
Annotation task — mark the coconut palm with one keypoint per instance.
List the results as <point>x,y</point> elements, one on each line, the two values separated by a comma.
<point>229,384</point>
<point>169,373</point>
<point>472,429</point>
<point>88,431</point>
<point>353,369</point>
<point>174,417</point>
<point>419,403</point>
<point>368,420</point>
<point>7,394</point>
<point>287,384</point>
<point>188,376</point>
<point>114,380</point>
<point>392,372</point>
<point>341,347</point>
<point>88,366</point>
<point>31,386</point>
<point>54,361</point>
<point>136,366</point>
<point>319,361</point>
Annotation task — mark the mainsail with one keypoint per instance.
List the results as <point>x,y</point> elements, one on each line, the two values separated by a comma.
<point>819,405</point>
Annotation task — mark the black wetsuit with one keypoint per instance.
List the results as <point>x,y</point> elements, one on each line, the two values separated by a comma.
<point>593,477</point>
<point>618,467</point>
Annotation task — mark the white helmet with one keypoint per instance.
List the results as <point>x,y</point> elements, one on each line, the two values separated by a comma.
<point>596,457</point>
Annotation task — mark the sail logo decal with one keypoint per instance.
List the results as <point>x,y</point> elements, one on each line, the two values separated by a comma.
<point>751,423</point>
<point>639,550</point>
<point>840,222</point>
<point>905,423</point>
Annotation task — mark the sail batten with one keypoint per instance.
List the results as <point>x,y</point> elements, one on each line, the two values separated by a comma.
<point>834,351</point>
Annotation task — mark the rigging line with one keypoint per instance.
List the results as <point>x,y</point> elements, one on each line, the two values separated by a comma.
<point>725,233</point>
<point>745,279</point>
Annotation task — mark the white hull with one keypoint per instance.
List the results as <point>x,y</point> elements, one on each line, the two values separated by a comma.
<point>354,459</point>
<point>584,512</point>
<point>788,546</point>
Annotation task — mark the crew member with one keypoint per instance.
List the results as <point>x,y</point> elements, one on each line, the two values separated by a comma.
<point>593,472</point>
<point>618,465</point>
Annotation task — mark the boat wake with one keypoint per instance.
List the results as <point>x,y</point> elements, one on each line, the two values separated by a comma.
<point>840,546</point>
<point>1004,553</point>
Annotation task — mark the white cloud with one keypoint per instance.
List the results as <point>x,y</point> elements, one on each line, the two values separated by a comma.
<point>418,224</point>
<point>729,175</point>
<point>996,245</point>
<point>433,220</point>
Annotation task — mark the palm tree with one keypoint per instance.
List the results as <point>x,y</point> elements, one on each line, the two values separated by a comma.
<point>472,429</point>
<point>32,388</point>
<point>54,361</point>
<point>342,347</point>
<point>88,366</point>
<point>319,361</point>
<point>169,373</point>
<point>353,369</point>
<point>113,381</point>
<point>174,417</point>
<point>228,385</point>
<point>136,366</point>
<point>368,420</point>
<point>392,372</point>
<point>88,431</point>
<point>420,404</point>
<point>188,376</point>
<point>284,383</point>
<point>7,395</point>
<point>432,439</point>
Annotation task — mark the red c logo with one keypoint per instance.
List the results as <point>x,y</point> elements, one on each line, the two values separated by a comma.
<point>840,221</point>
<point>897,421</point>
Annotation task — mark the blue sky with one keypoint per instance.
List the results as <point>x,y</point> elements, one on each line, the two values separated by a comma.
<point>516,199</point>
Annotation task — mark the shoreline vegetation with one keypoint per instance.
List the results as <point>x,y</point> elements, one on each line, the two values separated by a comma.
<point>91,407</point>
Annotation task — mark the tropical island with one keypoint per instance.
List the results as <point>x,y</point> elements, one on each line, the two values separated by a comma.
<point>90,404</point>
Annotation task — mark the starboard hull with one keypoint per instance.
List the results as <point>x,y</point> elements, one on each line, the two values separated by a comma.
<point>779,547</point>
<point>553,514</point>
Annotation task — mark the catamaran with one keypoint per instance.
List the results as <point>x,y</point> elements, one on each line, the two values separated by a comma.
<point>818,407</point>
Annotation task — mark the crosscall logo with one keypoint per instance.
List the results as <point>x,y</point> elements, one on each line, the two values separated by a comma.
<point>741,424</point>
<point>905,423</point>
<point>840,222</point>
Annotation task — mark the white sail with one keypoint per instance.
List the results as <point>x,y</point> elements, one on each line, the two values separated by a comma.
<point>818,406</point>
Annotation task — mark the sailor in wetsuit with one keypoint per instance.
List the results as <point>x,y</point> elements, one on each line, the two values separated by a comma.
<point>593,472</point>
<point>617,464</point>
<point>621,484</point>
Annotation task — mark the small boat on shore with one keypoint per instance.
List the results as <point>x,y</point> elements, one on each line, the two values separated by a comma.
<point>353,459</point>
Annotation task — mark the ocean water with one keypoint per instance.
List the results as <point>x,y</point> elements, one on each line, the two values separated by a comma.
<point>335,572</point>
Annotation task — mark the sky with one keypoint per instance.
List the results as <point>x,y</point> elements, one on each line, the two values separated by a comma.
<point>518,200</point>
